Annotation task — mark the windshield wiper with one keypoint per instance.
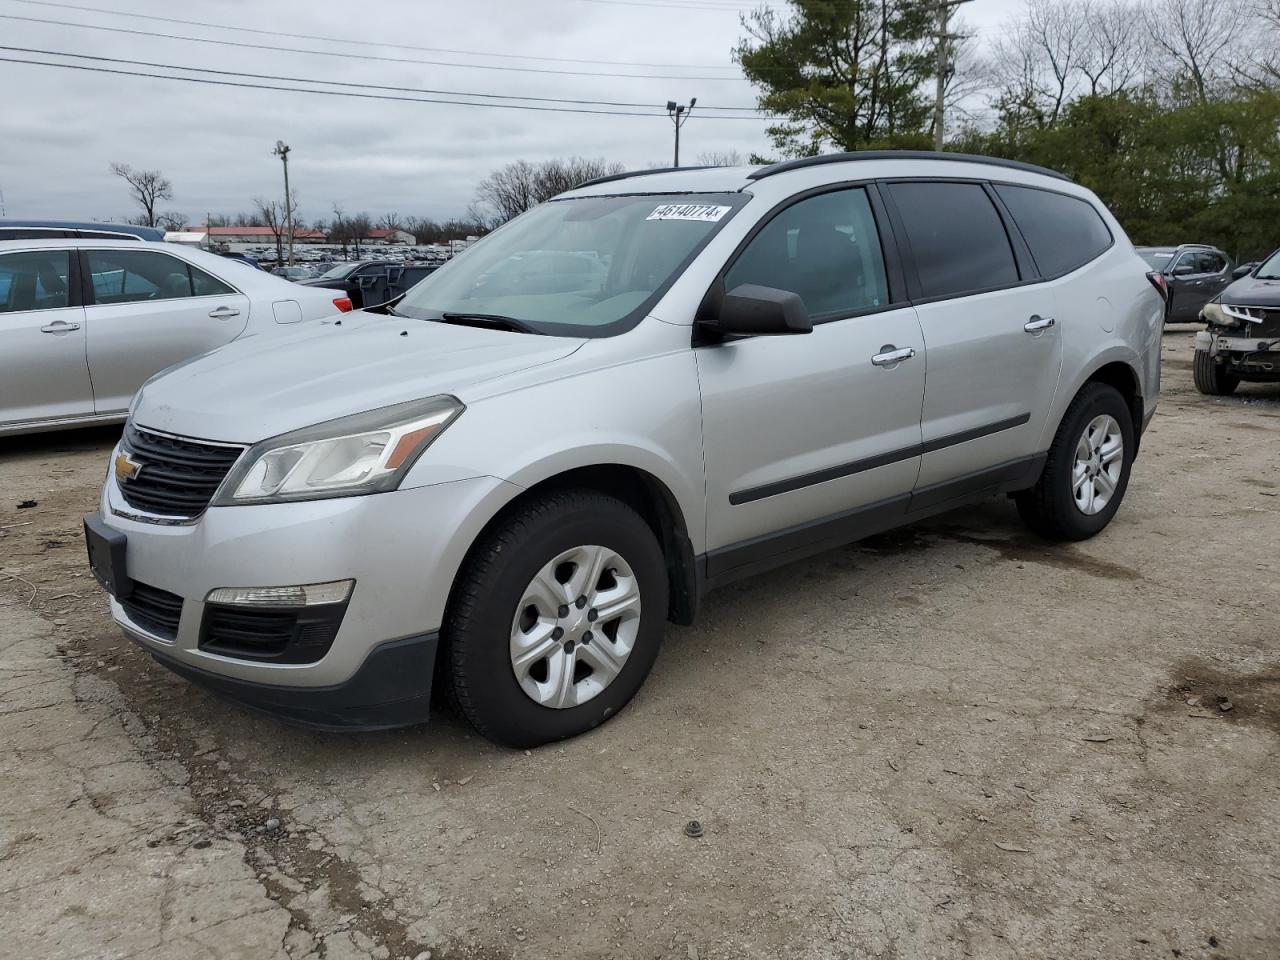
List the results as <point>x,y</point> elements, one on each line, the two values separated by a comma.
<point>493,321</point>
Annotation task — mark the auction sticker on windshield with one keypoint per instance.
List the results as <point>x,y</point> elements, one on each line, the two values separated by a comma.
<point>705,212</point>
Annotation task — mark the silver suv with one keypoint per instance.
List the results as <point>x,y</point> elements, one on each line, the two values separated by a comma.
<point>511,478</point>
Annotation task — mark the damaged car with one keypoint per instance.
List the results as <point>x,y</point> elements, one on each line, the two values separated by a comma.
<point>1242,338</point>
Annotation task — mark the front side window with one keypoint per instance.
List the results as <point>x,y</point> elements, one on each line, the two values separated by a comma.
<point>1063,232</point>
<point>1156,259</point>
<point>35,280</point>
<point>132,276</point>
<point>824,248</point>
<point>1190,264</point>
<point>585,267</point>
<point>1214,262</point>
<point>957,238</point>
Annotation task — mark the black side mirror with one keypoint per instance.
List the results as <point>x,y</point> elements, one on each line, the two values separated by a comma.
<point>753,310</point>
<point>1183,270</point>
<point>1242,271</point>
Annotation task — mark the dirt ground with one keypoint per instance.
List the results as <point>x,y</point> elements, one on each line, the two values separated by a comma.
<point>951,741</point>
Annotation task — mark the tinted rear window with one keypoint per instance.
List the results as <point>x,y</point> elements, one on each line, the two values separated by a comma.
<point>957,238</point>
<point>1063,232</point>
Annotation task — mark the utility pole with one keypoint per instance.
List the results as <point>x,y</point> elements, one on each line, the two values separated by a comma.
<point>679,114</point>
<point>944,66</point>
<point>282,151</point>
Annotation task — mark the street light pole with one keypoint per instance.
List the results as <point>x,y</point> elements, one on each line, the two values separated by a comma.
<point>679,114</point>
<point>282,151</point>
<point>944,67</point>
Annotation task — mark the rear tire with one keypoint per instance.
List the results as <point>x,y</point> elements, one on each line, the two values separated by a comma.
<point>513,602</point>
<point>1212,378</point>
<point>1087,470</point>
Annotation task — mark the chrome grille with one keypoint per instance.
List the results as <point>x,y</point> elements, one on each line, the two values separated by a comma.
<point>176,477</point>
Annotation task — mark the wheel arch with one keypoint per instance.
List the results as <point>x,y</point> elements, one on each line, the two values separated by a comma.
<point>1115,369</point>
<point>1124,378</point>
<point>645,493</point>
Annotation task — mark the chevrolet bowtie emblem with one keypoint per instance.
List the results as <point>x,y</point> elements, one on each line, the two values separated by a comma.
<point>126,467</point>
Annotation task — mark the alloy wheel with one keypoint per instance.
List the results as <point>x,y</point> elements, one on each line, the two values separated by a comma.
<point>1098,464</point>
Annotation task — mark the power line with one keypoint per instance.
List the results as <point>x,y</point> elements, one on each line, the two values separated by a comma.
<point>673,5</point>
<point>345,93</point>
<point>348,41</point>
<point>243,44</point>
<point>346,83</point>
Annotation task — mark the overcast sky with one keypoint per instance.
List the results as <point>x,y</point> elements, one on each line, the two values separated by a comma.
<point>59,129</point>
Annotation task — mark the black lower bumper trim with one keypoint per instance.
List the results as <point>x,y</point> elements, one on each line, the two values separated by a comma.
<point>392,688</point>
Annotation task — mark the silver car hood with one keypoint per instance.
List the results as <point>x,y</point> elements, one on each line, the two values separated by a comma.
<point>262,386</point>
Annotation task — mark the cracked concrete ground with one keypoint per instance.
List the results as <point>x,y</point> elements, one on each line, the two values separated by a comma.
<point>951,741</point>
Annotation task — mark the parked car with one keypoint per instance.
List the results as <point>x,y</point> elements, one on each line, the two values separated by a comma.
<point>294,272</point>
<point>1193,272</point>
<point>84,322</point>
<point>1242,341</point>
<point>524,486</point>
<point>353,278</point>
<point>11,229</point>
<point>242,258</point>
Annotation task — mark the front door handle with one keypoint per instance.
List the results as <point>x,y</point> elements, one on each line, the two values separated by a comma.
<point>1038,323</point>
<point>59,326</point>
<point>223,313</point>
<point>891,356</point>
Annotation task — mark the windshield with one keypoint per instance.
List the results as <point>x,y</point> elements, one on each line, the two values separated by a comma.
<point>339,272</point>
<point>588,267</point>
<point>1270,269</point>
<point>1156,259</point>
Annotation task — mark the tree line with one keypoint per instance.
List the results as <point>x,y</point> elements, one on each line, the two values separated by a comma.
<point>1168,109</point>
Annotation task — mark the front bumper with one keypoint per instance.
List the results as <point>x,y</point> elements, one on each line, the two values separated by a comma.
<point>392,688</point>
<point>1264,351</point>
<point>402,549</point>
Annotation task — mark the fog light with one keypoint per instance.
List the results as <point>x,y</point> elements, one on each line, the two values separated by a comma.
<point>306,595</point>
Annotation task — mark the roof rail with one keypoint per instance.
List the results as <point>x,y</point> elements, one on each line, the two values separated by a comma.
<point>801,162</point>
<point>633,173</point>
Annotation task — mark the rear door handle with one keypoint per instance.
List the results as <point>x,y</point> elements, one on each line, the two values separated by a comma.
<point>1038,323</point>
<point>890,355</point>
<point>59,326</point>
<point>222,313</point>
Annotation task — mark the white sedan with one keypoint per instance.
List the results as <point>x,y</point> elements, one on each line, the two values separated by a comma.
<point>83,323</point>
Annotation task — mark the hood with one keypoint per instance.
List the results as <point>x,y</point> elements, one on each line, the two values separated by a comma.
<point>1252,292</point>
<point>266,385</point>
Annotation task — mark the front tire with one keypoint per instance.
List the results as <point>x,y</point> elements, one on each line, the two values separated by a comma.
<point>1087,470</point>
<point>556,618</point>
<point>1212,378</point>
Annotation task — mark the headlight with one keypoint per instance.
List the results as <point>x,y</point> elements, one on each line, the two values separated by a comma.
<point>366,453</point>
<point>1212,313</point>
<point>1238,316</point>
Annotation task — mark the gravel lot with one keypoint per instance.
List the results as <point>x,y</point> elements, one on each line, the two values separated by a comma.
<point>951,741</point>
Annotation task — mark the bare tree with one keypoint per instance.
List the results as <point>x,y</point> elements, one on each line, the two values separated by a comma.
<point>390,221</point>
<point>1263,68</point>
<point>272,214</point>
<point>1035,63</point>
<point>511,190</point>
<point>149,187</point>
<point>172,220</point>
<point>721,158</point>
<point>1195,41</point>
<point>338,231</point>
<point>1113,53</point>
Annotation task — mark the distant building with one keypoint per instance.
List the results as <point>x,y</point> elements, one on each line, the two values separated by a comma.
<point>389,236</point>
